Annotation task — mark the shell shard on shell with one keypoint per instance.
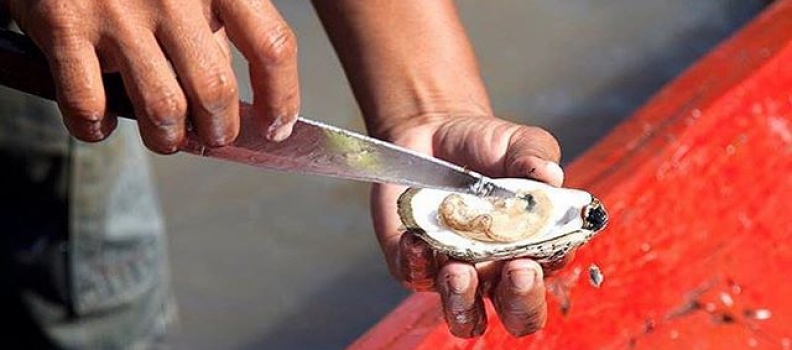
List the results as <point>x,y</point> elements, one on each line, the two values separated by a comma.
<point>541,222</point>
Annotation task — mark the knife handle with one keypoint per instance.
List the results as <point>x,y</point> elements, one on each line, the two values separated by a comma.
<point>23,67</point>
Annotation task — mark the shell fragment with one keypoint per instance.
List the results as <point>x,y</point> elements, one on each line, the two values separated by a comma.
<point>595,276</point>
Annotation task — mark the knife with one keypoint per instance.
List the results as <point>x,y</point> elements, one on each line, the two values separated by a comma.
<point>313,148</point>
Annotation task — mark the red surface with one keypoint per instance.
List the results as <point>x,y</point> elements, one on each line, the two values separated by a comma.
<point>699,251</point>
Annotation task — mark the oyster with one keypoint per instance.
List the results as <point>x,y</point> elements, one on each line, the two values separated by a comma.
<point>542,222</point>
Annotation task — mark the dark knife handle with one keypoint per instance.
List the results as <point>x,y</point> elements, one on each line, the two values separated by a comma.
<point>23,67</point>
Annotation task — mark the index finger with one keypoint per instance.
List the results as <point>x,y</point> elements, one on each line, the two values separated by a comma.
<point>269,45</point>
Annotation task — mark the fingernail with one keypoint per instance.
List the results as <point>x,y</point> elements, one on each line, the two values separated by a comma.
<point>555,172</point>
<point>278,130</point>
<point>96,130</point>
<point>170,138</point>
<point>169,132</point>
<point>272,130</point>
<point>458,283</point>
<point>221,139</point>
<point>522,280</point>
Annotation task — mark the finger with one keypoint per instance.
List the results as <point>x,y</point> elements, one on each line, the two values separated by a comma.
<point>534,153</point>
<point>222,42</point>
<point>520,297</point>
<point>551,268</point>
<point>205,74</point>
<point>80,92</point>
<point>269,45</point>
<point>160,104</point>
<point>463,306</point>
<point>416,260</point>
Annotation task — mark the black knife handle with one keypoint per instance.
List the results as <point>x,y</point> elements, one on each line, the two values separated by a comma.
<point>23,67</point>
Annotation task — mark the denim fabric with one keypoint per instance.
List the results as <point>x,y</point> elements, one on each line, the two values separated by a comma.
<point>83,248</point>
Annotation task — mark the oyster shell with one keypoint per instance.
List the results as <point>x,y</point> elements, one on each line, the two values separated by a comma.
<point>542,222</point>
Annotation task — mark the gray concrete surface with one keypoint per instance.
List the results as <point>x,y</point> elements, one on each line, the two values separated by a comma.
<point>263,260</point>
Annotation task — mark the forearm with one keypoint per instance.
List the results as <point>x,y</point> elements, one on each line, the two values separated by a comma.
<point>408,61</point>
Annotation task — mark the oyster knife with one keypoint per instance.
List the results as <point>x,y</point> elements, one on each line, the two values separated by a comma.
<point>314,147</point>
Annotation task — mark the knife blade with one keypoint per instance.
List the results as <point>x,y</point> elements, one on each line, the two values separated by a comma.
<point>313,148</point>
<point>318,148</point>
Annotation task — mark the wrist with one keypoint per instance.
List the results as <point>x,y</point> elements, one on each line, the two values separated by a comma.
<point>409,62</point>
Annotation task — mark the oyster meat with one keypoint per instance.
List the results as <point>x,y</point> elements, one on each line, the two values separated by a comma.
<point>542,222</point>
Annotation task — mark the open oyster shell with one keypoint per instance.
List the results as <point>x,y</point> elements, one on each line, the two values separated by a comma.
<point>542,222</point>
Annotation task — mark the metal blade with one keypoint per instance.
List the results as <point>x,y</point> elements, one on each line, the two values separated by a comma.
<point>313,148</point>
<point>318,148</point>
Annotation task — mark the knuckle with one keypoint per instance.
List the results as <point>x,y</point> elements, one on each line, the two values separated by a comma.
<point>216,93</point>
<point>278,46</point>
<point>57,18</point>
<point>52,11</point>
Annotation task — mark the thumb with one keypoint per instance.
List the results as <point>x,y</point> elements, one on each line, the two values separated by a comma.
<point>534,153</point>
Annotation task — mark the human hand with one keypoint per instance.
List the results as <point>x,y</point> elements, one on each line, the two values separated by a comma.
<point>173,57</point>
<point>495,148</point>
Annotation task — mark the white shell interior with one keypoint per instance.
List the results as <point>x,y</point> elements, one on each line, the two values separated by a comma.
<point>565,216</point>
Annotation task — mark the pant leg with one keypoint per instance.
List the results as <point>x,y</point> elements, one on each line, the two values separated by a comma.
<point>33,219</point>
<point>83,250</point>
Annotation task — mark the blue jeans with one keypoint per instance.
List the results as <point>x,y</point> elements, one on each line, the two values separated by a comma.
<point>83,261</point>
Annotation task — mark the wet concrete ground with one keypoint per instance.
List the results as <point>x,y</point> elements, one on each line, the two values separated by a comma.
<point>263,260</point>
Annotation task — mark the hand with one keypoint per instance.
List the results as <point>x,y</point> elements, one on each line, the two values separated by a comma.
<point>495,148</point>
<point>173,57</point>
